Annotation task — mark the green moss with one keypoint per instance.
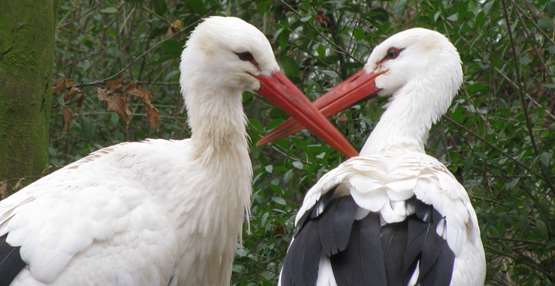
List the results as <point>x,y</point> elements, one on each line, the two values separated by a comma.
<point>26,62</point>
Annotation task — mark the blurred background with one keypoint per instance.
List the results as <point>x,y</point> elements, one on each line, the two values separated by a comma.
<point>498,137</point>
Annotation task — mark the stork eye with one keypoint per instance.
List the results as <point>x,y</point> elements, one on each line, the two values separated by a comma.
<point>245,56</point>
<point>392,53</point>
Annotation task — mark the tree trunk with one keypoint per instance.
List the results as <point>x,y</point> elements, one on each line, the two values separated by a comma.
<point>26,63</point>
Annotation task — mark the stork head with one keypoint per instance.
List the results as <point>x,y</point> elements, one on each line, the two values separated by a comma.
<point>228,56</point>
<point>411,58</point>
<point>228,53</point>
<point>414,55</point>
<point>415,58</point>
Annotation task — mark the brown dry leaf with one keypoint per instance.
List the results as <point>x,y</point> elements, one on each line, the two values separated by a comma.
<point>73,91</point>
<point>114,84</point>
<point>139,92</point>
<point>62,85</point>
<point>153,116</point>
<point>115,103</point>
<point>80,100</point>
<point>175,26</point>
<point>145,96</point>
<point>68,116</point>
<point>58,85</point>
<point>322,19</point>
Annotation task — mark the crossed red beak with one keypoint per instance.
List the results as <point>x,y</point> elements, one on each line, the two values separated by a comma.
<point>281,92</point>
<point>359,86</point>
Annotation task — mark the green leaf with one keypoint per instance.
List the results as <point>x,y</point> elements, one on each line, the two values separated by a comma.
<point>379,14</point>
<point>306,18</point>
<point>453,18</point>
<point>269,168</point>
<point>279,201</point>
<point>436,15</point>
<point>109,10</point>
<point>546,158</point>
<point>546,23</point>
<point>196,6</point>
<point>298,164</point>
<point>288,176</point>
<point>289,66</point>
<point>477,87</point>
<point>359,33</point>
<point>542,228</point>
<point>171,49</point>
<point>159,6</point>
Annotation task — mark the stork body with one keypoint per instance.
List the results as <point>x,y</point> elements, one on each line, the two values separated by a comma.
<point>145,214</point>
<point>392,215</point>
<point>158,212</point>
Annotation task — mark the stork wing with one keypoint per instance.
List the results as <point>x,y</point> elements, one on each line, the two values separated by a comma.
<point>59,216</point>
<point>377,183</point>
<point>410,221</point>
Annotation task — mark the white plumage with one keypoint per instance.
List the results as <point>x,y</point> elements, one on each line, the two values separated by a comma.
<point>382,183</point>
<point>158,212</point>
<point>422,73</point>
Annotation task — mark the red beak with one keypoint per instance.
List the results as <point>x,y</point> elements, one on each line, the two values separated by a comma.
<point>281,92</point>
<point>354,89</point>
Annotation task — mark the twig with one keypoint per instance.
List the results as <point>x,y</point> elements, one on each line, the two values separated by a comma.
<point>546,110</point>
<point>534,23</point>
<point>528,33</point>
<point>516,240</point>
<point>171,83</point>
<point>522,165</point>
<point>517,76</point>
<point>135,59</point>
<point>292,158</point>
<point>144,7</point>
<point>337,48</point>
<point>521,95</point>
<point>480,198</point>
<point>125,19</point>
<point>525,260</point>
<point>134,114</point>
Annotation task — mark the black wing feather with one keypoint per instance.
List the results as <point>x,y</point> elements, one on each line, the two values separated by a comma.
<point>10,262</point>
<point>362,263</point>
<point>335,225</point>
<point>416,230</point>
<point>394,241</point>
<point>365,252</point>
<point>440,274</point>
<point>436,263</point>
<point>300,267</point>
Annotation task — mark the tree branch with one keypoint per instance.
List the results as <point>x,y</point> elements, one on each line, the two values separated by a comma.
<point>137,58</point>
<point>331,42</point>
<point>517,77</point>
<point>522,165</point>
<point>525,260</point>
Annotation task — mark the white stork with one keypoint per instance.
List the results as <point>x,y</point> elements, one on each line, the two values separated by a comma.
<point>392,215</point>
<point>158,212</point>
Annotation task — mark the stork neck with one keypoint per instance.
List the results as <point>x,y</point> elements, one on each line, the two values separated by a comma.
<point>408,118</point>
<point>218,126</point>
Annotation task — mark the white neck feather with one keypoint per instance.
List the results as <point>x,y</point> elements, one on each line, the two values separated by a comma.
<point>218,176</point>
<point>411,112</point>
<point>219,140</point>
<point>218,124</point>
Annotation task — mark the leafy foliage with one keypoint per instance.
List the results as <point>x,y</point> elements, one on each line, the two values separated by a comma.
<point>498,137</point>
